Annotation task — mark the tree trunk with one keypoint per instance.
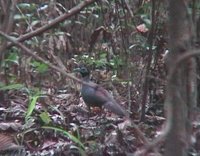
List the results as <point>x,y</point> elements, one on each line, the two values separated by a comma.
<point>180,88</point>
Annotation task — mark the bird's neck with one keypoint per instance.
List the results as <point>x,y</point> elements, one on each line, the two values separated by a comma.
<point>86,78</point>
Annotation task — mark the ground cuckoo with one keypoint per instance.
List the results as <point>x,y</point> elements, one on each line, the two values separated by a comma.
<point>96,96</point>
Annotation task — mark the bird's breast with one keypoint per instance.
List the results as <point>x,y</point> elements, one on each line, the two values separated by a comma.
<point>91,97</point>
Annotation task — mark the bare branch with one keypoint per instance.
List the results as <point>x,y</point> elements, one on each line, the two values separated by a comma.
<point>183,58</point>
<point>54,22</point>
<point>31,53</point>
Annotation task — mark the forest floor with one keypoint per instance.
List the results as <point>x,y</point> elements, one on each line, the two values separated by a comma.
<point>60,124</point>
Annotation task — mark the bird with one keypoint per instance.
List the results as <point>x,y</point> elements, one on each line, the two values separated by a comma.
<point>96,96</point>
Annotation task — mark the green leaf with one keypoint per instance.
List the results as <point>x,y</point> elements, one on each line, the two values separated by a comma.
<point>70,136</point>
<point>19,17</point>
<point>35,22</point>
<point>146,20</point>
<point>40,67</point>
<point>13,57</point>
<point>31,106</point>
<point>45,117</point>
<point>11,87</point>
<point>103,55</point>
<point>24,5</point>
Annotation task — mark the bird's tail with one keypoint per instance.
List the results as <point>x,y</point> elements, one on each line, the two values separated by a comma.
<point>116,108</point>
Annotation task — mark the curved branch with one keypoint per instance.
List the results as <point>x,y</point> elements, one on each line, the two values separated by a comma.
<point>31,53</point>
<point>180,60</point>
<point>54,22</point>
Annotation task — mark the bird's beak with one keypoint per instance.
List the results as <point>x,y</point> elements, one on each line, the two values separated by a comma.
<point>77,70</point>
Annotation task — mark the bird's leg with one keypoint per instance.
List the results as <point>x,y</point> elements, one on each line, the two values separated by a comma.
<point>100,113</point>
<point>89,111</point>
<point>95,112</point>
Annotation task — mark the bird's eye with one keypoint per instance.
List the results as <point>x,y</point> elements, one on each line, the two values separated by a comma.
<point>83,70</point>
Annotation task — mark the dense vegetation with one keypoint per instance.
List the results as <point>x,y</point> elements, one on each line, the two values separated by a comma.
<point>125,44</point>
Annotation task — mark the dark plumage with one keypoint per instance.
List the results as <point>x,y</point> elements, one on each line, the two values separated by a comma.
<point>98,96</point>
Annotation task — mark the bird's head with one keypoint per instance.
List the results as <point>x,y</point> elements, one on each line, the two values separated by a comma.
<point>83,71</point>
